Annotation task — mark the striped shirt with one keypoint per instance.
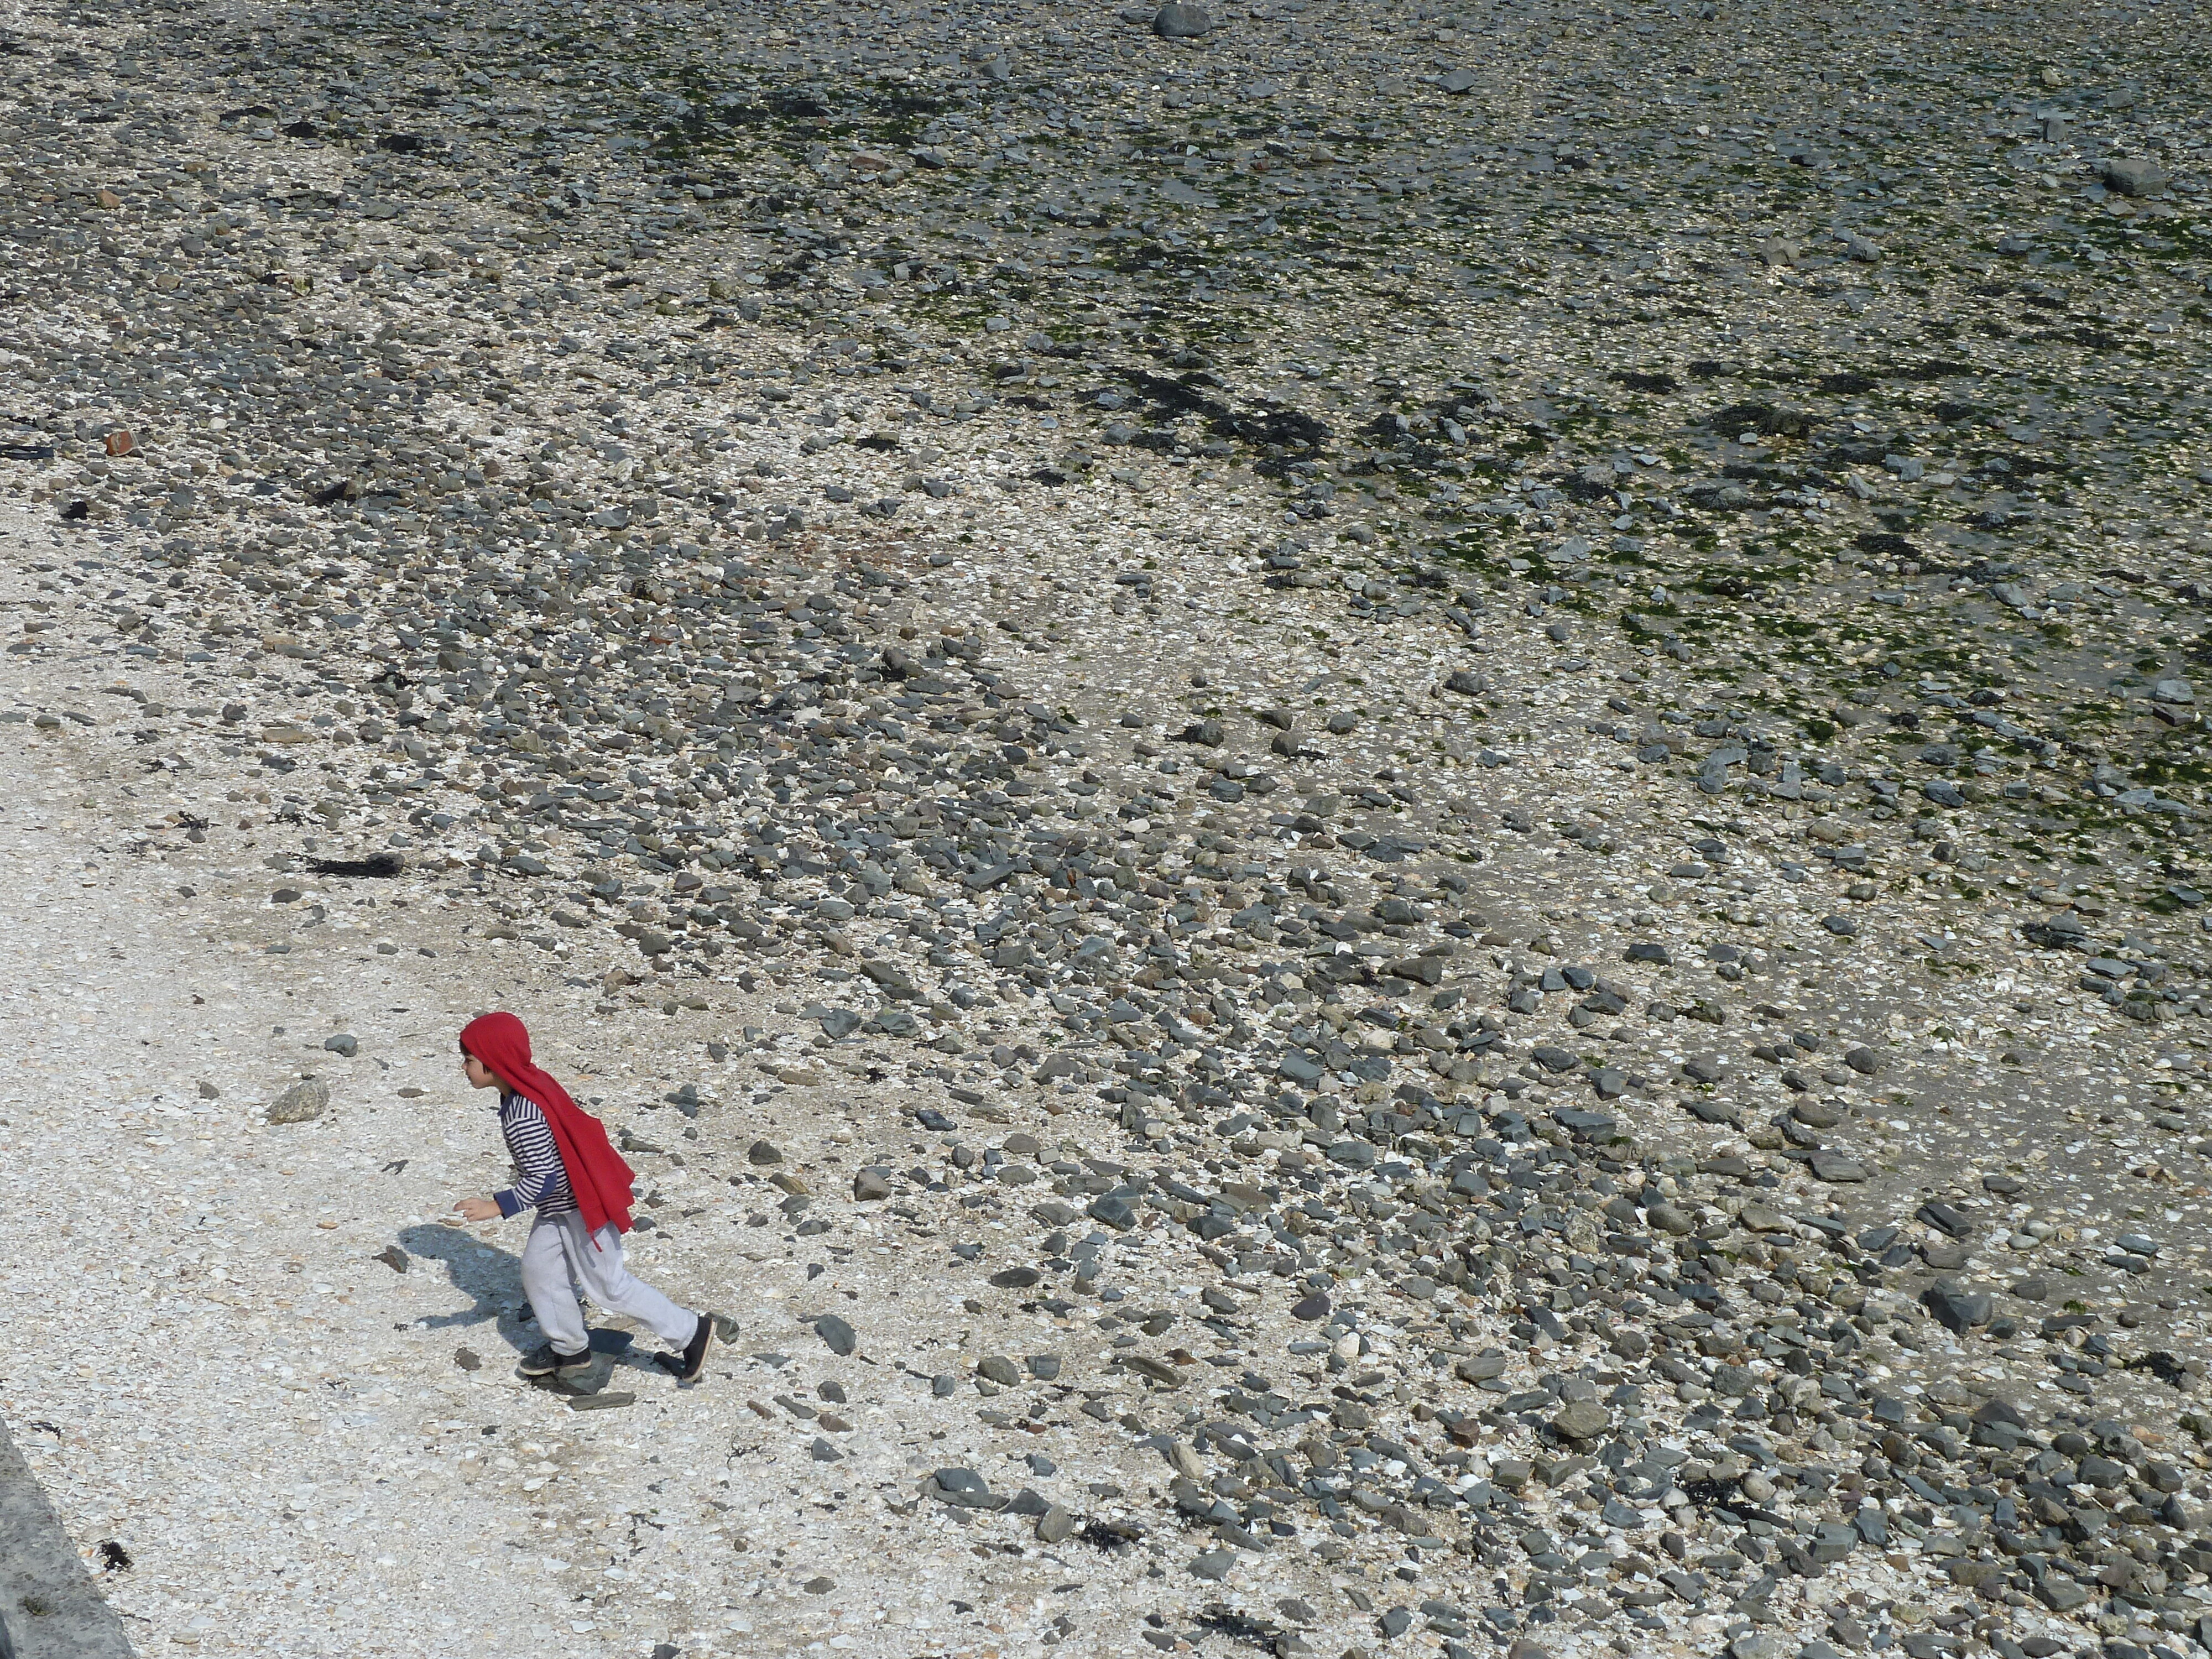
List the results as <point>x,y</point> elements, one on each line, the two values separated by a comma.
<point>541,1180</point>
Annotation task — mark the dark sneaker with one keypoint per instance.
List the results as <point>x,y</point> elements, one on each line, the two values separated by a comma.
<point>693,1360</point>
<point>544,1361</point>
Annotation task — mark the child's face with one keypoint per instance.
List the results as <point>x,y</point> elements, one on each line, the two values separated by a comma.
<point>480,1076</point>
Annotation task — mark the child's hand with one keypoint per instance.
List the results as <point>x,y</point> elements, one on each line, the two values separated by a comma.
<point>477,1209</point>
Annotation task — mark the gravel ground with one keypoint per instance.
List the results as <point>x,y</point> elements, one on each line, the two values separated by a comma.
<point>1382,830</point>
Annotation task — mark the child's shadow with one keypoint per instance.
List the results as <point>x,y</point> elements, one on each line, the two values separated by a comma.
<point>492,1279</point>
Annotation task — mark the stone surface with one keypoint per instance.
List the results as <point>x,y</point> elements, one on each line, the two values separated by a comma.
<point>1096,686</point>
<point>50,1608</point>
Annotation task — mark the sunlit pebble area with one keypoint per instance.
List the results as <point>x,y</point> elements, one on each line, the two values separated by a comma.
<point>1379,831</point>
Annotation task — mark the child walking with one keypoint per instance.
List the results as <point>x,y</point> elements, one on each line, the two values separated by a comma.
<point>581,1188</point>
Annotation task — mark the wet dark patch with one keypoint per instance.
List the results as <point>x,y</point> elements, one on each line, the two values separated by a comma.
<point>1769,420</point>
<point>379,865</point>
<point>1883,544</point>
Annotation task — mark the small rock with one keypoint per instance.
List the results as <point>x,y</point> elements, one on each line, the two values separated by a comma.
<point>1956,1307</point>
<point>600,1402</point>
<point>763,1153</point>
<point>394,1258</point>
<point>1054,1526</point>
<point>1582,1419</point>
<point>836,1334</point>
<point>303,1102</point>
<point>1213,1565</point>
<point>2134,177</point>
<point>1833,1166</point>
<point>1111,1212</point>
<point>870,1186</point>
<point>468,1359</point>
<point>1180,20</point>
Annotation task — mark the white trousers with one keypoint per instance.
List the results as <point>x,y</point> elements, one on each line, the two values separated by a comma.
<point>560,1257</point>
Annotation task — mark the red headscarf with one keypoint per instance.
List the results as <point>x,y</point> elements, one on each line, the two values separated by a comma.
<point>596,1173</point>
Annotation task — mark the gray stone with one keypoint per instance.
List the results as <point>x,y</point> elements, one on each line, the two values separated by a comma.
<point>1108,1211</point>
<point>836,1334</point>
<point>1958,1308</point>
<point>1212,1565</point>
<point>1582,1419</point>
<point>2134,177</point>
<point>2060,1594</point>
<point>1054,1526</point>
<point>1180,20</point>
<point>964,1489</point>
<point>871,1186</point>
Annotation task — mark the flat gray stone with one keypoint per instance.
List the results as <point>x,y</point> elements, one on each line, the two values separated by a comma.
<point>2134,177</point>
<point>1212,1565</point>
<point>1835,1167</point>
<point>1582,1419</point>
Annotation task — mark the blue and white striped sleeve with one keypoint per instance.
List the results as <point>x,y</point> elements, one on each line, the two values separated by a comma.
<point>540,1175</point>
